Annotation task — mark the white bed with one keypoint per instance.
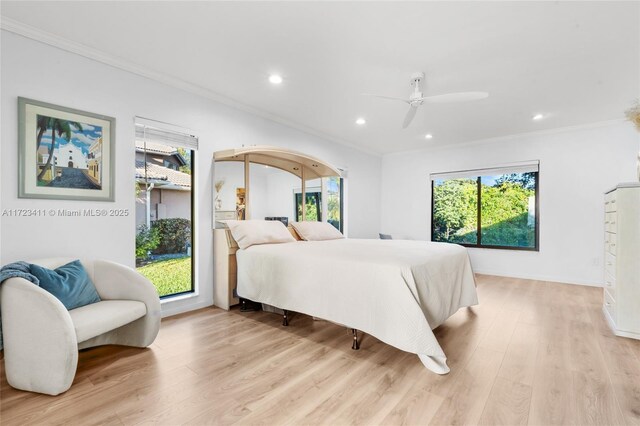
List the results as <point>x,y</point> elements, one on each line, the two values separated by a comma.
<point>397,291</point>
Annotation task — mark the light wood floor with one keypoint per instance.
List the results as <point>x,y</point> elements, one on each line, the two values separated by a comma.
<point>532,352</point>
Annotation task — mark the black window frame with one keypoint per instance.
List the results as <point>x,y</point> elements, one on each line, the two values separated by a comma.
<point>478,243</point>
<point>192,290</point>
<point>193,233</point>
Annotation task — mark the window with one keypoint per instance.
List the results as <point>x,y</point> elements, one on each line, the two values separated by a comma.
<point>492,208</point>
<point>335,195</point>
<point>165,211</point>
<point>170,165</point>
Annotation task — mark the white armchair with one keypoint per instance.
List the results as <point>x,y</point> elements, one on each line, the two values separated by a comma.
<point>42,338</point>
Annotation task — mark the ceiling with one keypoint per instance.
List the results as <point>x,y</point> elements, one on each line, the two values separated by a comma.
<point>575,62</point>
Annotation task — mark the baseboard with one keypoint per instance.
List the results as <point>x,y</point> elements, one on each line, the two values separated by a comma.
<point>614,329</point>
<point>551,278</point>
<point>168,311</point>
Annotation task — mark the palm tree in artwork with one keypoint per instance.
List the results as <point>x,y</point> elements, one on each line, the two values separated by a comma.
<point>42,124</point>
<point>62,128</point>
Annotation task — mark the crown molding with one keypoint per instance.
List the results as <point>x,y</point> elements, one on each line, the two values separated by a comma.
<point>24,30</point>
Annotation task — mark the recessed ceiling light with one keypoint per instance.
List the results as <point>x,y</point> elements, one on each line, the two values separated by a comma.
<point>275,79</point>
<point>361,121</point>
<point>428,136</point>
<point>537,117</point>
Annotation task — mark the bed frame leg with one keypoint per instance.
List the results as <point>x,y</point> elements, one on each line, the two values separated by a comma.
<point>285,318</point>
<point>355,345</point>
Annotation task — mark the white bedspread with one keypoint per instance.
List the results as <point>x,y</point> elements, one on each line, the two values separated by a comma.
<point>397,291</point>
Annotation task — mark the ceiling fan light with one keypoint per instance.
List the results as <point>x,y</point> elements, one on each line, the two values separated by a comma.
<point>537,117</point>
<point>428,136</point>
<point>361,121</point>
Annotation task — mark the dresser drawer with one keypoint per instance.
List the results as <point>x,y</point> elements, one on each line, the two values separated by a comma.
<point>612,292</point>
<point>610,202</point>
<point>610,264</point>
<point>610,242</point>
<point>610,222</point>
<point>613,241</point>
<point>610,305</point>
<point>225,215</point>
<point>609,283</point>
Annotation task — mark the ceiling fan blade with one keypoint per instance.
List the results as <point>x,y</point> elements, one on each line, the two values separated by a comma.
<point>456,97</point>
<point>409,117</point>
<point>391,98</point>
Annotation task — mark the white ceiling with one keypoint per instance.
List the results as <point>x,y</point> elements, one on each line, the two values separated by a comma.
<point>578,62</point>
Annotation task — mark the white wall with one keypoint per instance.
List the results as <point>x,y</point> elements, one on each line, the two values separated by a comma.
<point>576,167</point>
<point>38,71</point>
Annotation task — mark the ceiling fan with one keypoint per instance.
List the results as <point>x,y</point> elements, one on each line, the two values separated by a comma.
<point>416,99</point>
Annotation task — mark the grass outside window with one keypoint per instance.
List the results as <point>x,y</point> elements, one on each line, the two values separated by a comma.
<point>170,276</point>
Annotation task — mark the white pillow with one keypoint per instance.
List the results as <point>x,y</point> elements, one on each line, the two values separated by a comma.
<point>250,232</point>
<point>316,231</point>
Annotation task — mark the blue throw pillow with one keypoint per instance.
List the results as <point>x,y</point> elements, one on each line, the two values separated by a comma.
<point>70,283</point>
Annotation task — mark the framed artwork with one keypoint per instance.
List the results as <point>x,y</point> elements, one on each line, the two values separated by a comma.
<point>64,153</point>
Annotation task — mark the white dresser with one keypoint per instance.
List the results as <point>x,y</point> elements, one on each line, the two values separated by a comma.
<point>622,259</point>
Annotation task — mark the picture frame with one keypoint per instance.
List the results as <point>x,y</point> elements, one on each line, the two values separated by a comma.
<point>65,153</point>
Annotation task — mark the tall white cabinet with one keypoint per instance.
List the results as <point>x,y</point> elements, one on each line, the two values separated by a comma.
<point>622,259</point>
<point>224,269</point>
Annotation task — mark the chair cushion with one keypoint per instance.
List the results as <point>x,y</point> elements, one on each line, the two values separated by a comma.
<point>68,283</point>
<point>98,318</point>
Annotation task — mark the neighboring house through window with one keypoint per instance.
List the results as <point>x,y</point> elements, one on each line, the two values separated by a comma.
<point>164,210</point>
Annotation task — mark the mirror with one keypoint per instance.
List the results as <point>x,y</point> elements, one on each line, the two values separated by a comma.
<point>313,205</point>
<point>228,189</point>
<point>323,201</point>
<point>274,188</point>
<point>272,192</point>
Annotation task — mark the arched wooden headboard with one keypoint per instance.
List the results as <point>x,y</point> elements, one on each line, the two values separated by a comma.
<point>301,165</point>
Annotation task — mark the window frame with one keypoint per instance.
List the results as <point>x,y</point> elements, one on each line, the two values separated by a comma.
<point>193,234</point>
<point>341,180</point>
<point>193,291</point>
<point>478,244</point>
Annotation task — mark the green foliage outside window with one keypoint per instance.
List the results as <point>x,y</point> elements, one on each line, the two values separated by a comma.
<point>175,235</point>
<point>507,210</point>
<point>455,211</point>
<point>146,241</point>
